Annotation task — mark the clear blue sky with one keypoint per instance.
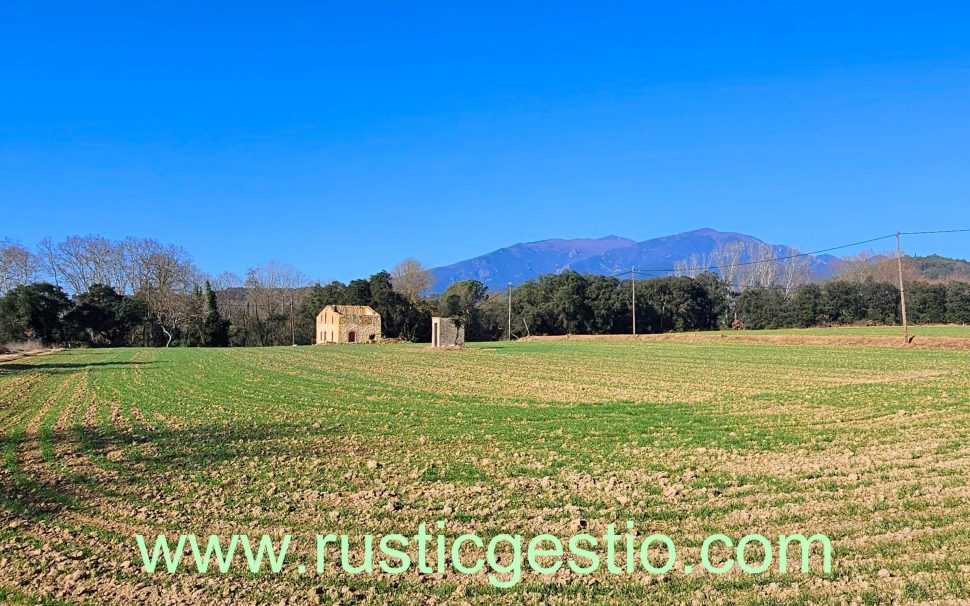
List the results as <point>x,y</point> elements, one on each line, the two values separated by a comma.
<point>340,137</point>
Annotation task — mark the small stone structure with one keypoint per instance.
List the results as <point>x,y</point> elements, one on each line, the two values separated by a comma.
<point>348,324</point>
<point>444,333</point>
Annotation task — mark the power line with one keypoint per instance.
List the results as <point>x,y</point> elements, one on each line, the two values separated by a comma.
<point>899,256</point>
<point>799,255</point>
<point>938,231</point>
<point>786,257</point>
<point>770,260</point>
<point>653,272</point>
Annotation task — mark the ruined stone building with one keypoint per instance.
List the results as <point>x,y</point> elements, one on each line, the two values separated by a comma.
<point>444,333</point>
<point>348,324</point>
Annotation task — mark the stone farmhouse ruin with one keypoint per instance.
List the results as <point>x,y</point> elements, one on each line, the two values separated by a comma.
<point>348,324</point>
<point>444,333</point>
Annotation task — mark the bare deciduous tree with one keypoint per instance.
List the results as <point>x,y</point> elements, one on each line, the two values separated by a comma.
<point>225,280</point>
<point>869,266</point>
<point>18,266</point>
<point>80,262</point>
<point>165,277</point>
<point>411,278</point>
<point>691,267</point>
<point>744,265</point>
<point>273,289</point>
<point>48,260</point>
<point>795,272</point>
<point>269,286</point>
<point>727,259</point>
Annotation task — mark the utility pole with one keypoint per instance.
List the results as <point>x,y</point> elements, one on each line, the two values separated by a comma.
<point>902,289</point>
<point>663,310</point>
<point>509,334</point>
<point>634,288</point>
<point>292,325</point>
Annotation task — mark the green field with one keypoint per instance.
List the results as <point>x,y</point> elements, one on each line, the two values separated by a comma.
<point>942,330</point>
<point>866,445</point>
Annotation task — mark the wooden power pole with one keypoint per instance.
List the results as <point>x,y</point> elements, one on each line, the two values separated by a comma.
<point>902,288</point>
<point>634,289</point>
<point>509,335</point>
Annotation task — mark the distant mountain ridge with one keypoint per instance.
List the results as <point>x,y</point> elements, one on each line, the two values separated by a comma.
<point>606,256</point>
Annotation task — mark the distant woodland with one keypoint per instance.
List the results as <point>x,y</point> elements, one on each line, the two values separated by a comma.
<point>92,291</point>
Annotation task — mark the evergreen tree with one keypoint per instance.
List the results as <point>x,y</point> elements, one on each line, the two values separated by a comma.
<point>842,303</point>
<point>926,303</point>
<point>215,330</point>
<point>958,303</point>
<point>805,307</point>
<point>881,302</point>
<point>33,311</point>
<point>461,303</point>
<point>357,293</point>
<point>102,316</point>
<point>761,308</point>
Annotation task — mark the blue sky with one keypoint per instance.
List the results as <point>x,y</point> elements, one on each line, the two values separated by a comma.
<point>342,137</point>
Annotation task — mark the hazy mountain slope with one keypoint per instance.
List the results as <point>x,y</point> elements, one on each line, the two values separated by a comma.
<point>609,255</point>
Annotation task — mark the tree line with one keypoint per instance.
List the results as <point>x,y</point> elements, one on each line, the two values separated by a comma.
<point>571,303</point>
<point>91,291</point>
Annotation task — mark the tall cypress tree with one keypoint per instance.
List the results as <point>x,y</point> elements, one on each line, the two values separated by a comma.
<point>215,330</point>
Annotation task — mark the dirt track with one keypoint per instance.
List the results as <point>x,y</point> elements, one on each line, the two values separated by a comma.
<point>23,354</point>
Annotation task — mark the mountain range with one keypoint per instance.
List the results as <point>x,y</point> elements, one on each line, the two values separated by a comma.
<point>607,256</point>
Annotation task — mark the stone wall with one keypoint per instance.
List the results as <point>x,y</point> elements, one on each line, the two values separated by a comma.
<point>334,325</point>
<point>359,329</point>
<point>444,333</point>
